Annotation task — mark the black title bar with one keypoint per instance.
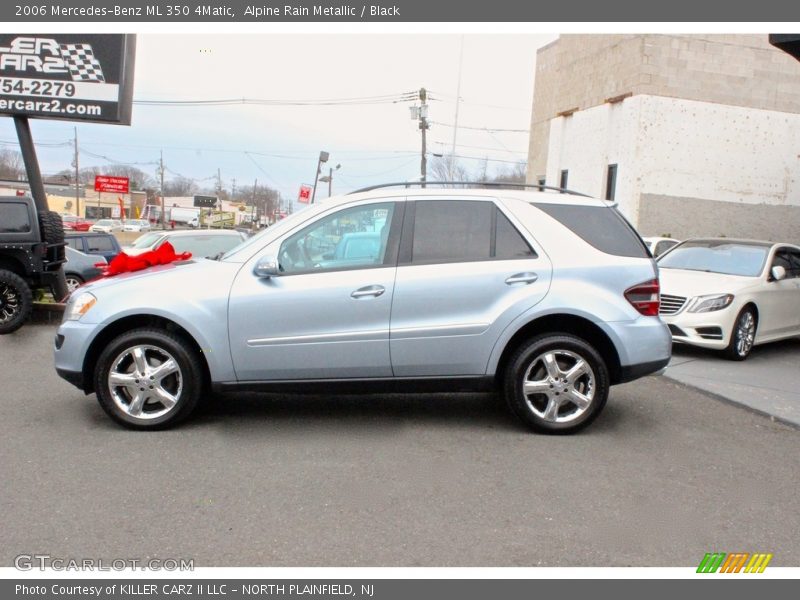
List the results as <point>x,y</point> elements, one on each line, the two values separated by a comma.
<point>400,11</point>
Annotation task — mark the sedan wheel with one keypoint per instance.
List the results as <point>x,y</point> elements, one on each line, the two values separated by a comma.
<point>743,335</point>
<point>73,283</point>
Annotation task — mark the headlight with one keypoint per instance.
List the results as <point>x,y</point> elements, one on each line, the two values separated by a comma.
<point>702,304</point>
<point>79,306</point>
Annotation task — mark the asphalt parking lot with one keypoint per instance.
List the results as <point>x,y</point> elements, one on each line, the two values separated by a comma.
<point>665,475</point>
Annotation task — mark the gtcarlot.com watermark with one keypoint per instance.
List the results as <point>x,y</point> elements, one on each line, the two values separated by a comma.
<point>44,562</point>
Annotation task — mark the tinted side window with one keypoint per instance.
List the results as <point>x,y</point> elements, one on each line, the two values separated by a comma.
<point>452,231</point>
<point>508,241</point>
<point>14,218</point>
<point>794,259</point>
<point>99,244</point>
<point>74,242</point>
<point>600,226</point>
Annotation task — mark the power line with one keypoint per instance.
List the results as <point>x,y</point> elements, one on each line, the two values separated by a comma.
<point>354,101</point>
<point>491,129</point>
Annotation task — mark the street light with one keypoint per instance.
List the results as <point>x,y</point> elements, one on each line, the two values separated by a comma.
<point>323,157</point>
<point>329,178</point>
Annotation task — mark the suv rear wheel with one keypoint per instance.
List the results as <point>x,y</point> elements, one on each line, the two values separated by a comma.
<point>556,383</point>
<point>148,379</point>
<point>16,301</point>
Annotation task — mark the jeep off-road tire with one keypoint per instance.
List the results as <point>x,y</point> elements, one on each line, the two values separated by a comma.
<point>51,227</point>
<point>148,378</point>
<point>556,383</point>
<point>16,301</point>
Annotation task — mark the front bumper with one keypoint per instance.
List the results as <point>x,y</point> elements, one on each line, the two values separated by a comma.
<point>705,330</point>
<point>72,342</point>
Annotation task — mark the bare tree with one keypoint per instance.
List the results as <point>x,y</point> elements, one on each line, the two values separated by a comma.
<point>11,165</point>
<point>180,186</point>
<point>448,168</point>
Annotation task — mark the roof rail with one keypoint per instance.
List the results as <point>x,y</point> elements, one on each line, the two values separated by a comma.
<point>486,184</point>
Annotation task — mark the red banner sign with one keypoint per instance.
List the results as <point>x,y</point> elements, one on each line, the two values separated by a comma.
<point>305,194</point>
<point>116,185</point>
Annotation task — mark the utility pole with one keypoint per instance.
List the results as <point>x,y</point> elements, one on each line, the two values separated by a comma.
<point>458,103</point>
<point>161,193</point>
<point>253,211</point>
<point>423,126</point>
<point>329,178</point>
<point>77,171</point>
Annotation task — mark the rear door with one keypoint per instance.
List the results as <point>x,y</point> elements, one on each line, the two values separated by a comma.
<point>464,273</point>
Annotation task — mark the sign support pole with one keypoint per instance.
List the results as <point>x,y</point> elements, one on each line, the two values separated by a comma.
<point>31,162</point>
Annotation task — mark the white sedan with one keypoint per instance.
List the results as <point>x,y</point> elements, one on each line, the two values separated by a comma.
<point>106,226</point>
<point>138,225</point>
<point>730,295</point>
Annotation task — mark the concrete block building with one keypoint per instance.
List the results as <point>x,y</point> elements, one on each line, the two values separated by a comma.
<point>693,135</point>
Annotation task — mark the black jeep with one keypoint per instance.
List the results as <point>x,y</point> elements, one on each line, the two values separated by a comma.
<point>31,255</point>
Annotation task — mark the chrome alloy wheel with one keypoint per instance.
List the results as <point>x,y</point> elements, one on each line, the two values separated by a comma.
<point>145,382</point>
<point>559,386</point>
<point>745,333</point>
<point>9,302</point>
<point>73,283</point>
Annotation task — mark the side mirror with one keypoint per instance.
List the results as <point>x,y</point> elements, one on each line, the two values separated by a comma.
<point>778,273</point>
<point>267,266</point>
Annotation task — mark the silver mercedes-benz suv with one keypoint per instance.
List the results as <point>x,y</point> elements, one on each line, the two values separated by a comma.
<point>549,297</point>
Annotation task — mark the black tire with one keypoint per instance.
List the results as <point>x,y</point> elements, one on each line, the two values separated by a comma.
<point>73,281</point>
<point>591,385</point>
<point>186,387</point>
<point>16,301</point>
<point>51,226</point>
<point>741,343</point>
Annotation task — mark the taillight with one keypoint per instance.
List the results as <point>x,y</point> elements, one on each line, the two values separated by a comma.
<point>645,297</point>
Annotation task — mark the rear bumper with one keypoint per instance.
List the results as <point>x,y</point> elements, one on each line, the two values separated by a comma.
<point>632,372</point>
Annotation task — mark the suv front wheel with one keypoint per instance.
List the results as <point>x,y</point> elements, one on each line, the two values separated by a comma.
<point>556,383</point>
<point>148,379</point>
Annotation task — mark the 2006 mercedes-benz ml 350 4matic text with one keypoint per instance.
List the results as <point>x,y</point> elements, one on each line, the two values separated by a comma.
<point>550,297</point>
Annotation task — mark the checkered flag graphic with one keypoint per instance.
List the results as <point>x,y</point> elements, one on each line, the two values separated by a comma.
<point>82,64</point>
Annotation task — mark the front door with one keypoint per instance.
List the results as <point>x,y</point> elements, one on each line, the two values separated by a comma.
<point>326,315</point>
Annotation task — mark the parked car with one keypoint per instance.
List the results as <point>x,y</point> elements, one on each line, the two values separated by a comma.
<point>136,225</point>
<point>106,226</point>
<point>202,244</point>
<point>96,244</point>
<point>31,255</point>
<point>550,298</point>
<point>731,295</point>
<point>81,268</point>
<point>659,245</point>
<point>73,223</point>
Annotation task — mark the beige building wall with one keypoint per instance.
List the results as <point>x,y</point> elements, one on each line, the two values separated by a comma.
<point>577,72</point>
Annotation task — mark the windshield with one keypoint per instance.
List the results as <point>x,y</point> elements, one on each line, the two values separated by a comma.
<point>147,240</point>
<point>103,222</point>
<point>719,256</point>
<point>284,225</point>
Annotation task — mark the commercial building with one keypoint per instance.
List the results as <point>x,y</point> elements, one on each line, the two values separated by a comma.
<point>692,135</point>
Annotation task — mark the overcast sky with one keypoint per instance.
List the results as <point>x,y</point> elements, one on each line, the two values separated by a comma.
<point>373,143</point>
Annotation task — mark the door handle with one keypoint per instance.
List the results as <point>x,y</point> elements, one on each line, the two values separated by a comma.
<point>370,290</point>
<point>522,278</point>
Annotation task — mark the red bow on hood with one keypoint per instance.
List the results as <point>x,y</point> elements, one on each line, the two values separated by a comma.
<point>163,255</point>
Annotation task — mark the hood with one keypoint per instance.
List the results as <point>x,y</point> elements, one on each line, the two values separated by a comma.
<point>681,282</point>
<point>182,270</point>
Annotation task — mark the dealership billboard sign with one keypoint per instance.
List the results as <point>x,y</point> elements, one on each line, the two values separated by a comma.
<point>76,77</point>
<point>106,183</point>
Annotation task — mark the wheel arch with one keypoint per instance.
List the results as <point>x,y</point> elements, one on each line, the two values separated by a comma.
<point>128,323</point>
<point>564,323</point>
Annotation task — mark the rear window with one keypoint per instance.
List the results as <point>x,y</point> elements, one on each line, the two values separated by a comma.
<point>100,244</point>
<point>14,218</point>
<point>600,226</point>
